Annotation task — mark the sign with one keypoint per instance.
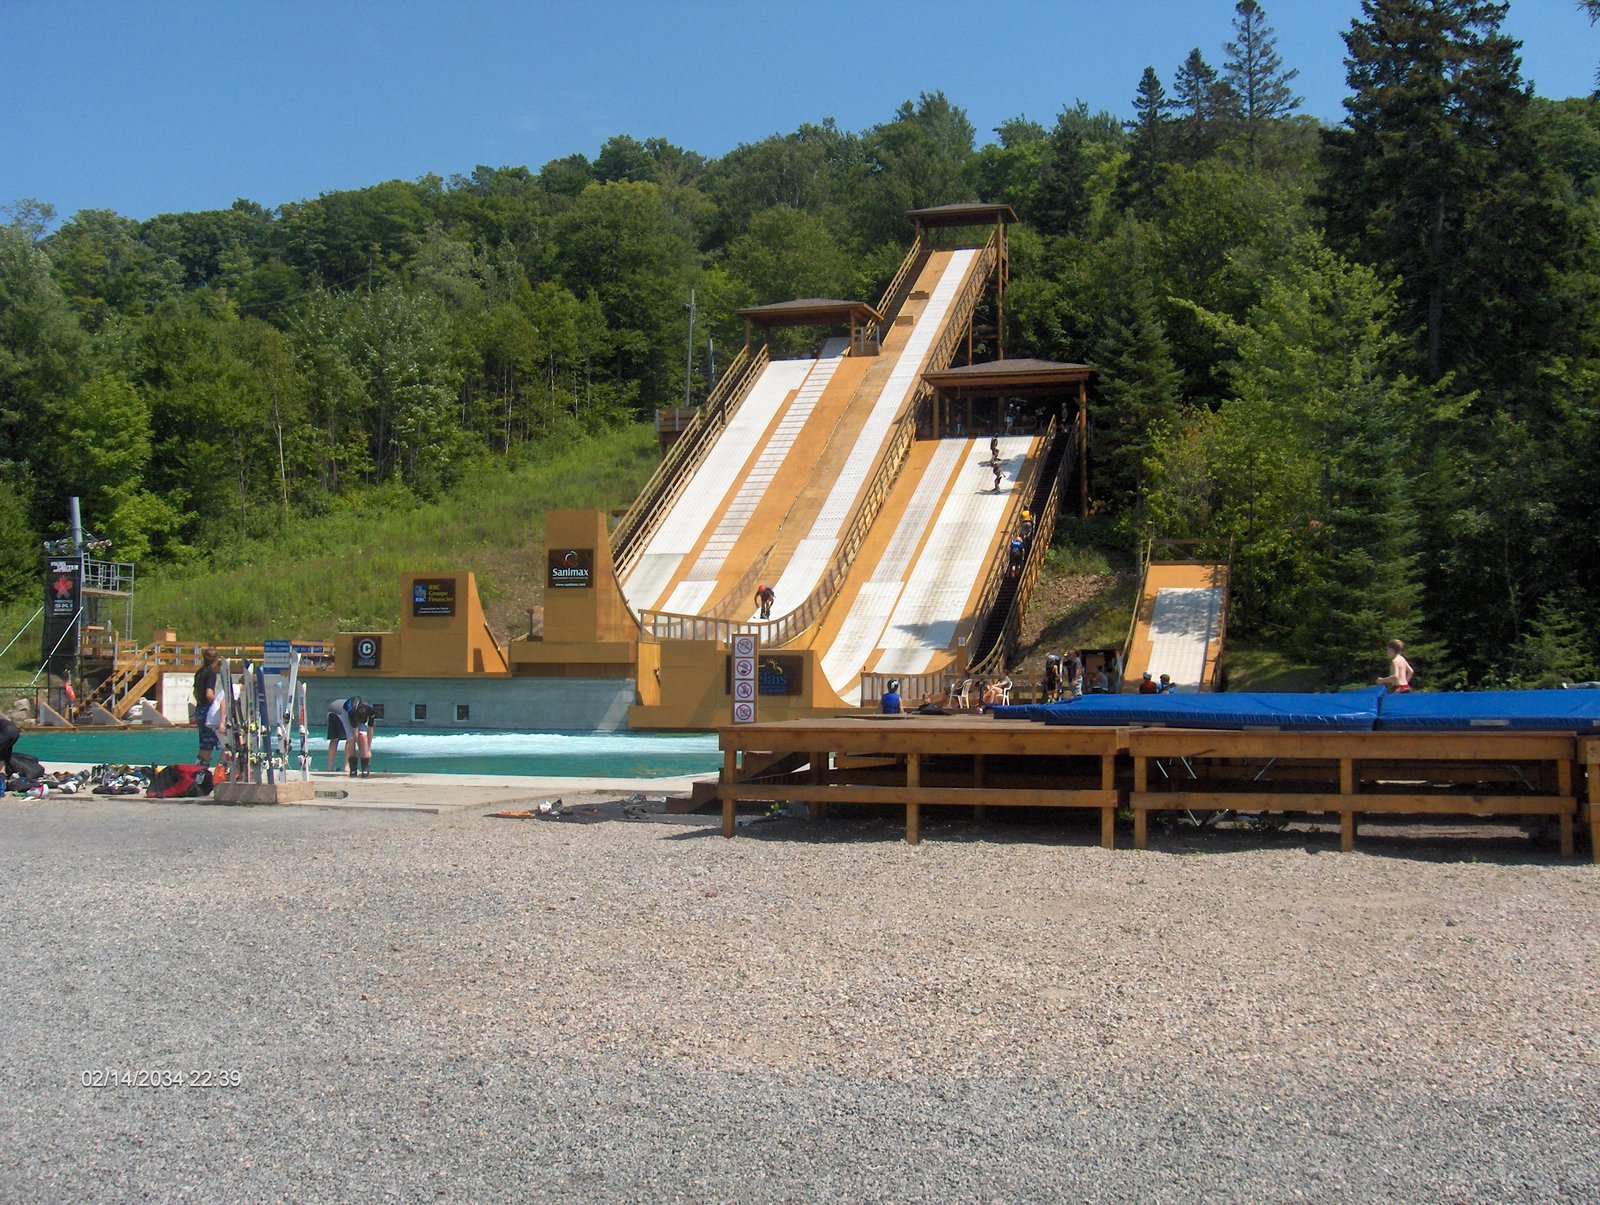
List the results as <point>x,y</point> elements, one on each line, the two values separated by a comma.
<point>275,656</point>
<point>742,679</point>
<point>433,596</point>
<point>366,652</point>
<point>63,603</point>
<point>570,568</point>
<point>770,673</point>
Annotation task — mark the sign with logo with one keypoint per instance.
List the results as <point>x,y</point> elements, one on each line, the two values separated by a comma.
<point>767,673</point>
<point>570,568</point>
<point>366,652</point>
<point>63,600</point>
<point>742,679</point>
<point>433,596</point>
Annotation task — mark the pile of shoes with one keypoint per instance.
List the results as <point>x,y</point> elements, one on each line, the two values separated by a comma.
<point>37,786</point>
<point>121,780</point>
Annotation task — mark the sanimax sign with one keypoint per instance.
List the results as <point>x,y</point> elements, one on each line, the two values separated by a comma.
<point>570,568</point>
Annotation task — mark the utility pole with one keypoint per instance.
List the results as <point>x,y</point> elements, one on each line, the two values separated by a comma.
<point>688,359</point>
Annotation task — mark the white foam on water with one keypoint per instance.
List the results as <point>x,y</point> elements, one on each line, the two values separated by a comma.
<point>539,744</point>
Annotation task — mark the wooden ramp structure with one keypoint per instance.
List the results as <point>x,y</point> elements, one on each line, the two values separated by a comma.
<point>1179,624</point>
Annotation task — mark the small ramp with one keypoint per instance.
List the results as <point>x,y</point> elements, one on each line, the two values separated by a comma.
<point>1178,628</point>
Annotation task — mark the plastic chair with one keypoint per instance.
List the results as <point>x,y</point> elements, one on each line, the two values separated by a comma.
<point>962,694</point>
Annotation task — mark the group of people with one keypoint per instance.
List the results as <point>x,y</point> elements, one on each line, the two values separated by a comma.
<point>1149,686</point>
<point>1065,676</point>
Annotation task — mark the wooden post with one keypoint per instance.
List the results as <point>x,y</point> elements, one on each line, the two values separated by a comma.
<point>725,788</point>
<point>979,811</point>
<point>1592,772</point>
<point>1564,787</point>
<point>1083,449</point>
<point>913,789</point>
<point>1141,815</point>
<point>1108,814</point>
<point>819,776</point>
<point>1347,830</point>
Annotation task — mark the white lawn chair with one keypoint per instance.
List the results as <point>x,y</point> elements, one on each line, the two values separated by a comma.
<point>962,695</point>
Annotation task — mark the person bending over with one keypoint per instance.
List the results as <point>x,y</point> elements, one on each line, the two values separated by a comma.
<point>352,721</point>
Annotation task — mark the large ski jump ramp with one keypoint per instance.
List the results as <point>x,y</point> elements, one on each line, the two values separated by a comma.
<point>783,479</point>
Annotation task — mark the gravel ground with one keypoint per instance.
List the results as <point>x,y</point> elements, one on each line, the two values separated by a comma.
<point>458,1008</point>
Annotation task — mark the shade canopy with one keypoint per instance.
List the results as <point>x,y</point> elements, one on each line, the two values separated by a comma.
<point>811,311</point>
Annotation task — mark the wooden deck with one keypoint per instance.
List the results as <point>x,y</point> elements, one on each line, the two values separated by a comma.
<point>922,761</point>
<point>917,761</point>
<point>1351,773</point>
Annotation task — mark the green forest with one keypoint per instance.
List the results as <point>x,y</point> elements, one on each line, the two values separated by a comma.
<point>1365,357</point>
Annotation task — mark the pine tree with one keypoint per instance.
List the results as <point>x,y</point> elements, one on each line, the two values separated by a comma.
<point>1151,133</point>
<point>1254,71</point>
<point>1204,106</point>
<point>1434,178</point>
<point>1061,203</point>
<point>1139,382</point>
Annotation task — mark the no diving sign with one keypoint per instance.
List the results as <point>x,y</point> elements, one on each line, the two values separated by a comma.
<point>744,679</point>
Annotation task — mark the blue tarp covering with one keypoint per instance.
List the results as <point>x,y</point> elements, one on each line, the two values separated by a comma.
<point>1542,710</point>
<point>1352,710</point>
<point>1525,710</point>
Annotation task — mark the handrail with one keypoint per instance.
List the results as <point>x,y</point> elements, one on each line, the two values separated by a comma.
<point>114,693</point>
<point>873,334</point>
<point>1144,556</point>
<point>629,537</point>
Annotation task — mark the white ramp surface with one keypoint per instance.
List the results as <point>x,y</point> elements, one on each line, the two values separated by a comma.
<point>861,632</point>
<point>955,559</point>
<point>812,554</point>
<point>1182,623</point>
<point>697,586</point>
<point>702,498</point>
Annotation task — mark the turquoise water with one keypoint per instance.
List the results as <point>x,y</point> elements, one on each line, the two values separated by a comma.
<point>399,751</point>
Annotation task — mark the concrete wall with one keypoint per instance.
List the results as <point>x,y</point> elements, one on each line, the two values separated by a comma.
<point>526,704</point>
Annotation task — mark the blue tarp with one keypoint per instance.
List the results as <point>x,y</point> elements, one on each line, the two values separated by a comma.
<point>1351,710</point>
<point>1525,710</point>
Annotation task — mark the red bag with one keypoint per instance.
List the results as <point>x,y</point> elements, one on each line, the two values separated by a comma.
<point>179,782</point>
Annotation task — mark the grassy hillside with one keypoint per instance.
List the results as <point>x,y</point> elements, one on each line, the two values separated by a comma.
<point>341,571</point>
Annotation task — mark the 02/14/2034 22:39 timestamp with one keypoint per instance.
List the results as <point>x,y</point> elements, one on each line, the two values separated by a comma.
<point>161,1077</point>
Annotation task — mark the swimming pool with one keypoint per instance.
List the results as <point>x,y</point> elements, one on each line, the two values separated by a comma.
<point>398,750</point>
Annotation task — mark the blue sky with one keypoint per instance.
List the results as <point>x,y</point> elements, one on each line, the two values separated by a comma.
<point>152,106</point>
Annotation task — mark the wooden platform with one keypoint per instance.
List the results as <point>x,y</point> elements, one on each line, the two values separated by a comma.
<point>1350,773</point>
<point>916,761</point>
<point>920,761</point>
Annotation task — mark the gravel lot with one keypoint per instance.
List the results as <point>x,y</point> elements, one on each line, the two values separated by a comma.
<point>456,1008</point>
